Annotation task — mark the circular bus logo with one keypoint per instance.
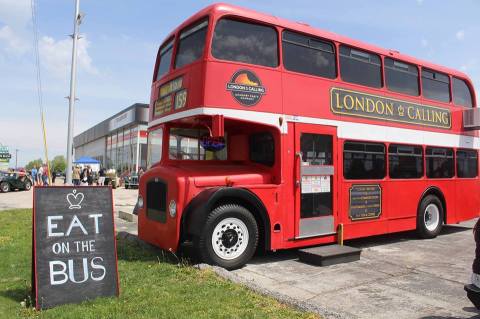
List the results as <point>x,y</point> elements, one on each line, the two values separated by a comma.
<point>246,87</point>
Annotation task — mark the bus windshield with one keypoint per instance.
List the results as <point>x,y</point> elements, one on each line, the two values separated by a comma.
<point>196,144</point>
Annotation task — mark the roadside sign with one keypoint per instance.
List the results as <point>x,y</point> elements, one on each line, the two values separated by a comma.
<point>5,157</point>
<point>74,247</point>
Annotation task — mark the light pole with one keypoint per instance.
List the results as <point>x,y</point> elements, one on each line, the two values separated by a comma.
<point>71,105</point>
<point>16,159</point>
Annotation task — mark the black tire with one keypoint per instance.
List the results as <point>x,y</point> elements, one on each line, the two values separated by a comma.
<point>28,185</point>
<point>5,187</point>
<point>231,238</point>
<point>424,215</point>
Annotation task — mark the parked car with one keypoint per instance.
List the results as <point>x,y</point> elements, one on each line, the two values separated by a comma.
<point>16,180</point>
<point>111,178</point>
<point>131,181</point>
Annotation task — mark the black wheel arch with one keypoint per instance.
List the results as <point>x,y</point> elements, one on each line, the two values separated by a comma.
<point>196,212</point>
<point>433,190</point>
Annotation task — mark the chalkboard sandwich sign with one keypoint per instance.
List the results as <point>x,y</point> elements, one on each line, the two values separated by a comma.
<point>74,247</point>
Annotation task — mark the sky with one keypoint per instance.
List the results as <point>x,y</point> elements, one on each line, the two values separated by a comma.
<point>117,51</point>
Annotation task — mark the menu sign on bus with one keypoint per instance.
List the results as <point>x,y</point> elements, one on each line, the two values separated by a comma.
<point>360,104</point>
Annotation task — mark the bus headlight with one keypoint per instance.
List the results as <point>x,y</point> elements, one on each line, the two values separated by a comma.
<point>140,201</point>
<point>172,208</point>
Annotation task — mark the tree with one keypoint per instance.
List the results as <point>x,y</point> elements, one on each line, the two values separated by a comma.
<point>37,163</point>
<point>58,164</point>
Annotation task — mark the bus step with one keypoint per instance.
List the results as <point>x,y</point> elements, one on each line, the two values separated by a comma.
<point>329,255</point>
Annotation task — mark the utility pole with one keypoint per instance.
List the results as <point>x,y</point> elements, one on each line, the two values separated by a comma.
<point>71,105</point>
<point>16,159</point>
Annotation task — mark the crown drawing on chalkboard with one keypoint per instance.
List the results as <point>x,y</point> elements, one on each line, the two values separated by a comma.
<point>75,199</point>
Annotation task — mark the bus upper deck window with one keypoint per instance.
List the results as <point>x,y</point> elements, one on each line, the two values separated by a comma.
<point>165,59</point>
<point>192,43</point>
<point>360,67</point>
<point>309,55</point>
<point>435,86</point>
<point>401,77</point>
<point>461,93</point>
<point>245,42</point>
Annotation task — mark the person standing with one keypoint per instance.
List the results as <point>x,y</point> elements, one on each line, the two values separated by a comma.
<point>89,175</point>
<point>45,176</point>
<point>40,175</point>
<point>34,175</point>
<point>76,176</point>
<point>54,175</point>
<point>101,177</point>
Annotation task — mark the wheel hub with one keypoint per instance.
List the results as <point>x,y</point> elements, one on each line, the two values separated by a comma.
<point>229,238</point>
<point>431,217</point>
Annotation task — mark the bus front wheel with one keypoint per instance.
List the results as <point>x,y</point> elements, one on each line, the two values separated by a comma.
<point>430,217</point>
<point>229,237</point>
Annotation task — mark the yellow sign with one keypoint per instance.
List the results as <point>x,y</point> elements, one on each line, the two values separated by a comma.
<point>163,105</point>
<point>170,87</point>
<point>360,104</point>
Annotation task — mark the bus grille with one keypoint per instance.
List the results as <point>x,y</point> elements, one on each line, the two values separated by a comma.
<point>157,201</point>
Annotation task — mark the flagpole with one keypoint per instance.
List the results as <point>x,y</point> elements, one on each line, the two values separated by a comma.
<point>71,98</point>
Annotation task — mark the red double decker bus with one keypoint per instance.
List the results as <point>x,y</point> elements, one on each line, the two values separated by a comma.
<point>270,134</point>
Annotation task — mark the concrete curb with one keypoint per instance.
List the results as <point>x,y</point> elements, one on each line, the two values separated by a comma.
<point>129,217</point>
<point>230,276</point>
<point>299,304</point>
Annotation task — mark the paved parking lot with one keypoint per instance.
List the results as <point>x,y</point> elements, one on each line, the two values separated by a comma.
<point>398,275</point>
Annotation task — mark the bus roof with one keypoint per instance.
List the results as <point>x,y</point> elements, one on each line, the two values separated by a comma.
<point>218,10</point>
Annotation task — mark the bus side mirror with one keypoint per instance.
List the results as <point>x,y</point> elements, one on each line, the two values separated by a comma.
<point>218,128</point>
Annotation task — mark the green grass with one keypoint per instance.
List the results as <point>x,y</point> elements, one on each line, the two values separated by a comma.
<point>150,285</point>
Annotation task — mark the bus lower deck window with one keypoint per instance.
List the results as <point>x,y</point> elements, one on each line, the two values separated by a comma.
<point>405,161</point>
<point>364,160</point>
<point>467,163</point>
<point>439,162</point>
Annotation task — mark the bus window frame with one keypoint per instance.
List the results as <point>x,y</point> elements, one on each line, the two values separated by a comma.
<point>385,84</point>
<point>203,56</point>
<point>477,176</point>
<point>277,29</point>
<point>450,85</point>
<point>381,57</point>
<point>470,89</point>
<point>157,63</point>
<point>335,46</point>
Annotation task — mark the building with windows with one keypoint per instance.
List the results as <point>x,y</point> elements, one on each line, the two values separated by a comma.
<point>119,142</point>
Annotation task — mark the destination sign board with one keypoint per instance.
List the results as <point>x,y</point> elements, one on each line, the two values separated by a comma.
<point>358,104</point>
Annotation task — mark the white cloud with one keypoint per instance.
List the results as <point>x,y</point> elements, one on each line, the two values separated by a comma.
<point>419,2</point>
<point>13,42</point>
<point>460,35</point>
<point>424,43</point>
<point>56,56</point>
<point>15,15</point>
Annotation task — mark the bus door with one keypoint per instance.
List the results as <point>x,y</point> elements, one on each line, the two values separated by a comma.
<point>315,183</point>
